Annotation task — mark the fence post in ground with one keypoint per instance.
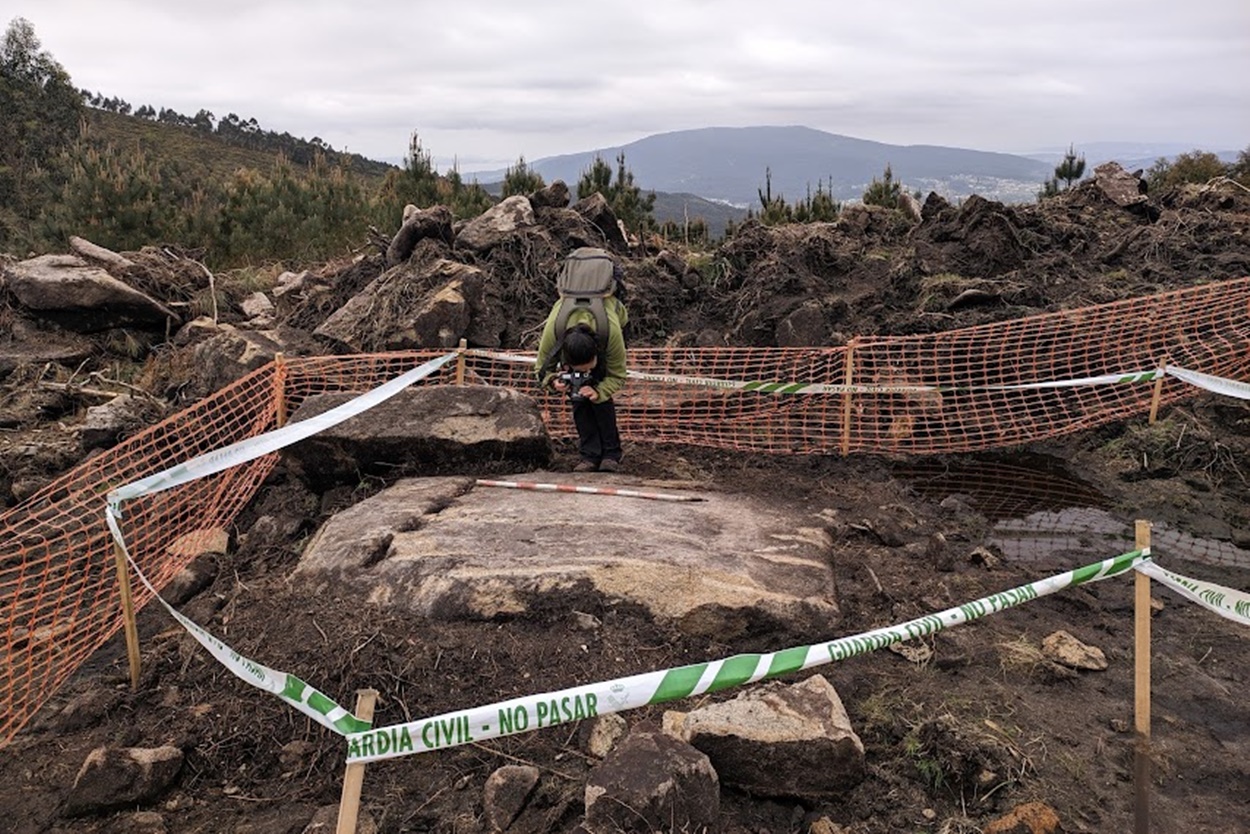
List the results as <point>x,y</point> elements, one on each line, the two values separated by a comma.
<point>279,387</point>
<point>1158,393</point>
<point>128,615</point>
<point>349,805</point>
<point>848,380</point>
<point>464,344</point>
<point>1141,690</point>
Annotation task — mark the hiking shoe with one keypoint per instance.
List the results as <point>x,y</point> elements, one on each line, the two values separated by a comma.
<point>586,466</point>
<point>609,465</point>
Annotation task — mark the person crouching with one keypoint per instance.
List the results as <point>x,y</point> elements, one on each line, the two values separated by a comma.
<point>589,373</point>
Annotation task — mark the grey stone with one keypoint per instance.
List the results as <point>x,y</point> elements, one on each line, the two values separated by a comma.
<point>652,782</point>
<point>421,430</point>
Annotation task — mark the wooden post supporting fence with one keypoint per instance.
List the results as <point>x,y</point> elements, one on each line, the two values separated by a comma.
<point>1141,690</point>
<point>1158,392</point>
<point>128,615</point>
<point>464,344</point>
<point>848,379</point>
<point>279,388</point>
<point>353,779</point>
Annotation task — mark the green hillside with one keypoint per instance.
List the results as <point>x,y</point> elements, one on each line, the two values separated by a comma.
<point>209,155</point>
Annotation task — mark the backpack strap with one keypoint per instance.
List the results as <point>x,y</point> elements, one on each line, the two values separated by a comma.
<point>595,305</point>
<point>552,359</point>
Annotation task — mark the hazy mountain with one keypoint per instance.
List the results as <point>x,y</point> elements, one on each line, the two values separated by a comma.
<point>729,165</point>
<point>1130,155</point>
<point>715,173</point>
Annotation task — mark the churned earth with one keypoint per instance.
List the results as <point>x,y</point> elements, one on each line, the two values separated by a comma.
<point>968,724</point>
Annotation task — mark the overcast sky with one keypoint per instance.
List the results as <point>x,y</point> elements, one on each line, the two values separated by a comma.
<point>486,81</point>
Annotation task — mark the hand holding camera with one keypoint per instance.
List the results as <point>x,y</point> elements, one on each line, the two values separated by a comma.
<point>572,383</point>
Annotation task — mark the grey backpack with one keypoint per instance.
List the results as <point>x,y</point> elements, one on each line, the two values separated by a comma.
<point>589,275</point>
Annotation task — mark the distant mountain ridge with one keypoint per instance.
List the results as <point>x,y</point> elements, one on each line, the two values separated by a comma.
<point>729,164</point>
<point>1130,155</point>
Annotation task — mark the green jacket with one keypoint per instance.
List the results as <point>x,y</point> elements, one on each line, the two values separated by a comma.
<point>613,362</point>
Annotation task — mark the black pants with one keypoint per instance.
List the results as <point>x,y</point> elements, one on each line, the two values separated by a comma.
<point>598,438</point>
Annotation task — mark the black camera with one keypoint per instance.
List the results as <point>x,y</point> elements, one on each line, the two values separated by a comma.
<point>575,380</point>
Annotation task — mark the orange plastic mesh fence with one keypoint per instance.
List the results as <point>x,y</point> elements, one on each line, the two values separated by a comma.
<point>59,597</point>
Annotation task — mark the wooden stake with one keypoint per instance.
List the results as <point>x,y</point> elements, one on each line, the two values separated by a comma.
<point>460,361</point>
<point>1141,690</point>
<point>846,397</point>
<point>1158,394</point>
<point>128,615</point>
<point>349,806</point>
<point>279,387</point>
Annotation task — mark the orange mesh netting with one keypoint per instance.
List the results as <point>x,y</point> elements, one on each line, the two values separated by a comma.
<point>915,395</point>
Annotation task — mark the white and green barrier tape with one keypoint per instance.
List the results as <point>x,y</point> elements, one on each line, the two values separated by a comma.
<point>300,695</point>
<point>221,459</point>
<point>535,712</point>
<point>1219,385</point>
<point>1228,603</point>
<point>313,703</point>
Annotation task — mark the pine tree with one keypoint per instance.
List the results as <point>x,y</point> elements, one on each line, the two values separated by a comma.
<point>1240,170</point>
<point>884,192</point>
<point>1192,167</point>
<point>597,179</point>
<point>122,199</point>
<point>626,199</point>
<point>464,200</point>
<point>773,210</point>
<point>40,110</point>
<point>521,179</point>
<point>1071,169</point>
<point>819,207</point>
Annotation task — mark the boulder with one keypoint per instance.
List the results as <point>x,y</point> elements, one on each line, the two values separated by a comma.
<point>652,782</point>
<point>1119,186</point>
<point>595,208</point>
<point>108,423</point>
<point>78,296</point>
<point>555,195</point>
<point>1067,650</point>
<point>101,255</point>
<point>425,429</point>
<point>496,224</point>
<point>234,353</point>
<point>452,549</point>
<point>199,329</point>
<point>505,794</point>
<point>779,741</point>
<point>113,778</point>
<point>259,310</point>
<point>419,224</point>
<point>388,315</point>
<point>1029,818</point>
<point>201,548</point>
<point>568,229</point>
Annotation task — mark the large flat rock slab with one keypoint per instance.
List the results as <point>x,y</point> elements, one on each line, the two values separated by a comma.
<point>422,430</point>
<point>451,549</point>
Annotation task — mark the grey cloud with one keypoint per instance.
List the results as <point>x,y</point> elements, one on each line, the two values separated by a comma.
<point>492,80</point>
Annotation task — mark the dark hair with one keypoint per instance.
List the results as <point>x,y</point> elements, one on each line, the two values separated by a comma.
<point>580,345</point>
